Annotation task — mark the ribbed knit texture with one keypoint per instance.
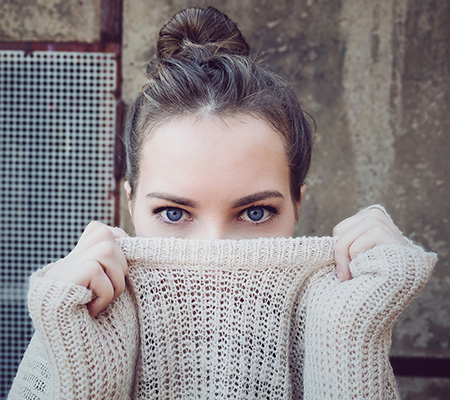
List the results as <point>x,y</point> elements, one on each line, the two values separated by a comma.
<point>257,318</point>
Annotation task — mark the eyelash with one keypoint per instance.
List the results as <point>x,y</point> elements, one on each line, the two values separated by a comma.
<point>157,212</point>
<point>273,211</point>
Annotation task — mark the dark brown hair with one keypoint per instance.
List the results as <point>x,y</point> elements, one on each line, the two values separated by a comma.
<point>203,68</point>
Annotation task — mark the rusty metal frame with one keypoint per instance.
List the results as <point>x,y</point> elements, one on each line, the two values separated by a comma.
<point>110,42</point>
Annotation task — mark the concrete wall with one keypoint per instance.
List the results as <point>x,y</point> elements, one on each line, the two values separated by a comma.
<point>59,20</point>
<point>375,76</point>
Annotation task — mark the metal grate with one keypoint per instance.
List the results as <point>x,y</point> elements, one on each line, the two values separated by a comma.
<point>57,127</point>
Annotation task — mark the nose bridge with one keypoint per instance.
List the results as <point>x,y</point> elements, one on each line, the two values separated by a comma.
<point>214,228</point>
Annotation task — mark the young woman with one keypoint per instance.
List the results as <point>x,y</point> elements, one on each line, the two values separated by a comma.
<point>217,147</point>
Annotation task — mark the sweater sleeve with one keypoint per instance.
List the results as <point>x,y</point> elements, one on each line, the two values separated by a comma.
<point>72,355</point>
<point>349,324</point>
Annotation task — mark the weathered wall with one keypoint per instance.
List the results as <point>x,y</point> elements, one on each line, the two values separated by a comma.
<point>375,76</point>
<point>59,20</point>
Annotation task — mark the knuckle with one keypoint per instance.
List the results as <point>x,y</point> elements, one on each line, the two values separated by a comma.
<point>107,248</point>
<point>102,230</point>
<point>106,235</point>
<point>95,268</point>
<point>371,220</point>
<point>379,231</point>
<point>93,224</point>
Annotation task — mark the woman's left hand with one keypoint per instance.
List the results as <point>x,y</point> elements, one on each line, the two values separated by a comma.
<point>366,229</point>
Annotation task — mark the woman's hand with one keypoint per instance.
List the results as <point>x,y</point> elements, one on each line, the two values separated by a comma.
<point>366,229</point>
<point>97,263</point>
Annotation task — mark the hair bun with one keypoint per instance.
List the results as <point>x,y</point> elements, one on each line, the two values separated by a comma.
<point>195,31</point>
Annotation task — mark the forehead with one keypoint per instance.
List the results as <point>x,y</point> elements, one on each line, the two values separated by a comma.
<point>214,150</point>
<point>217,134</point>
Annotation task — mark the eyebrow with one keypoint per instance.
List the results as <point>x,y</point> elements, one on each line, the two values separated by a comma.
<point>267,194</point>
<point>172,198</point>
<point>244,201</point>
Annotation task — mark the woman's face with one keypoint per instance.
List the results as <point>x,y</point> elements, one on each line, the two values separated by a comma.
<point>214,178</point>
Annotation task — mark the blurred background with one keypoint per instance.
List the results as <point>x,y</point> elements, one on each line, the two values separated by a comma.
<point>375,75</point>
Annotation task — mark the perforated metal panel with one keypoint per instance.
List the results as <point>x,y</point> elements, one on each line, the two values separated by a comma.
<point>57,127</point>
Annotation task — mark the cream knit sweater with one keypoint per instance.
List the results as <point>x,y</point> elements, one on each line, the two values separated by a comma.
<point>258,318</point>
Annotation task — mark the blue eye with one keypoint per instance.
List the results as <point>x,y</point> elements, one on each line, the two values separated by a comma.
<point>256,214</point>
<point>173,214</point>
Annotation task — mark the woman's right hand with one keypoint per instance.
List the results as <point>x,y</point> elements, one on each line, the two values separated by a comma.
<point>97,262</point>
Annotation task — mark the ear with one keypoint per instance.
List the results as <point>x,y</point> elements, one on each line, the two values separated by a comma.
<point>297,205</point>
<point>302,192</point>
<point>127,187</point>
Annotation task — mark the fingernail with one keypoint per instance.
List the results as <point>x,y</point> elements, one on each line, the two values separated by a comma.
<point>339,272</point>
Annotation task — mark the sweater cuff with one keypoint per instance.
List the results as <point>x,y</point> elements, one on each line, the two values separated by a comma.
<point>46,296</point>
<point>407,263</point>
<point>349,323</point>
<point>78,347</point>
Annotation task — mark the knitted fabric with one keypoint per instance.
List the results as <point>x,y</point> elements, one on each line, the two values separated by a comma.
<point>258,318</point>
